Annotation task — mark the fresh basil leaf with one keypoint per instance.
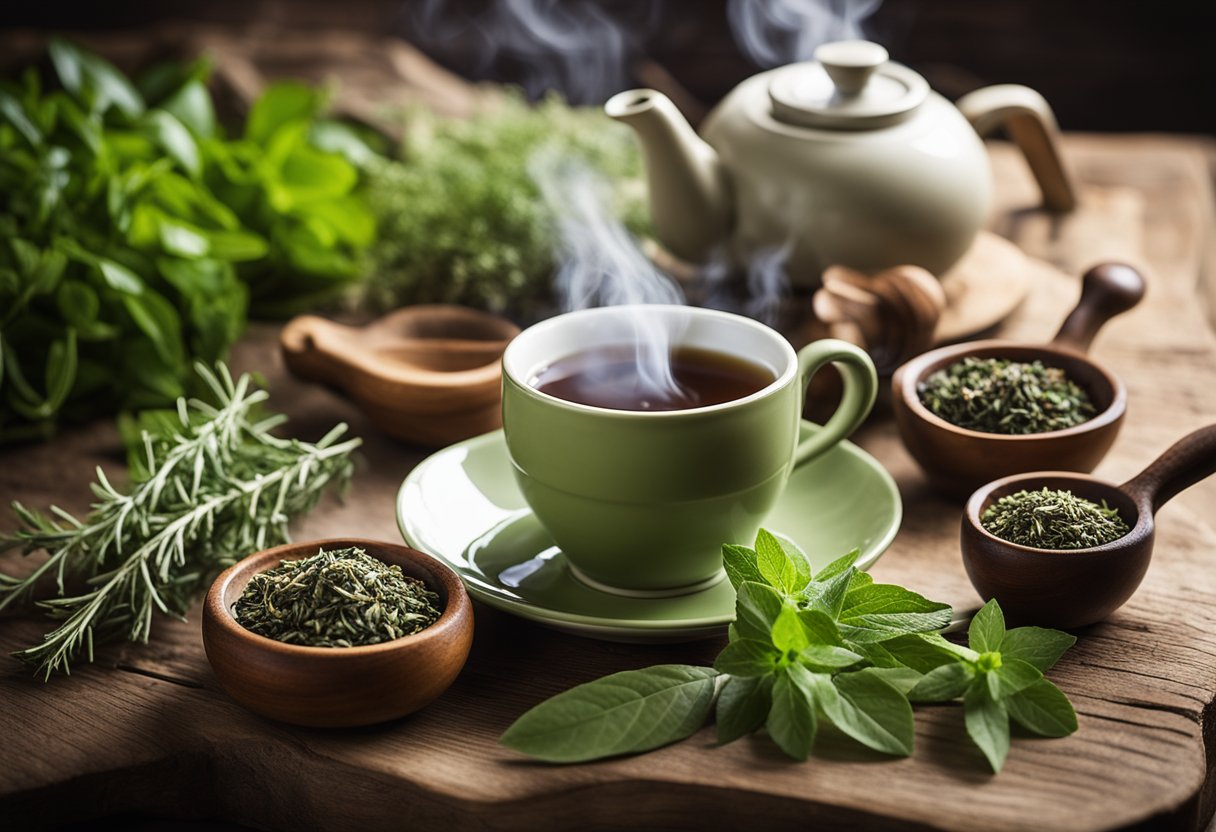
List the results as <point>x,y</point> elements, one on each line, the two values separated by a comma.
<point>788,633</point>
<point>740,565</point>
<point>871,711</point>
<point>743,704</point>
<point>158,320</point>
<point>1039,646</point>
<point>280,104</point>
<point>791,721</point>
<point>60,371</point>
<point>781,570</point>
<point>92,79</point>
<point>192,106</point>
<point>987,629</point>
<point>1043,709</point>
<point>828,596</point>
<point>756,609</point>
<point>176,140</point>
<point>841,564</point>
<point>943,683</point>
<point>878,612</point>
<point>925,651</point>
<point>119,278</point>
<point>819,628</point>
<point>337,137</point>
<point>237,246</point>
<point>903,679</point>
<point>1014,675</point>
<point>625,713</point>
<point>747,657</point>
<point>987,724</point>
<point>825,658</point>
<point>181,240</point>
<point>14,113</point>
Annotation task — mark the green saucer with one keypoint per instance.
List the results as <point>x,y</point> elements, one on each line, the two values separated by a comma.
<point>461,505</point>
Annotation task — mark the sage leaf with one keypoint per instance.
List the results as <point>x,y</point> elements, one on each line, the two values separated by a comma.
<point>788,633</point>
<point>987,629</point>
<point>742,706</point>
<point>1043,709</point>
<point>625,713</point>
<point>1038,646</point>
<point>837,566</point>
<point>792,722</point>
<point>747,657</point>
<point>756,609</point>
<point>740,565</point>
<point>943,683</point>
<point>987,724</point>
<point>871,711</point>
<point>786,571</point>
<point>1014,675</point>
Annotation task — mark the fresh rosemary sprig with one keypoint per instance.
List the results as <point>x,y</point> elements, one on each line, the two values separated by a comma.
<point>215,488</point>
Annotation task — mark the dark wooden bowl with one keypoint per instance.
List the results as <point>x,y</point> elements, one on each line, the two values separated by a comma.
<point>1075,587</point>
<point>337,686</point>
<point>957,460</point>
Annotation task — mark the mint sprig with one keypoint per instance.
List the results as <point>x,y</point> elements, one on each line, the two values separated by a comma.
<point>806,648</point>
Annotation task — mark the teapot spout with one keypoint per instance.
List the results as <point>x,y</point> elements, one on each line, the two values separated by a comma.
<point>690,198</point>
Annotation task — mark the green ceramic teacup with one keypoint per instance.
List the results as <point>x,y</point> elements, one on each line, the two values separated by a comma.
<point>641,502</point>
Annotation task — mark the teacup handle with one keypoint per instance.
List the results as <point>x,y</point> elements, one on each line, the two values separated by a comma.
<point>860,389</point>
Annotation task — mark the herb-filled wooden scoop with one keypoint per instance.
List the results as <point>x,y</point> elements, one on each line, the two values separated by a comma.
<point>974,412</point>
<point>428,374</point>
<point>1058,583</point>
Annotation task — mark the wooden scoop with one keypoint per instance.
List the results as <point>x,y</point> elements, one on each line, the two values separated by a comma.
<point>1075,587</point>
<point>428,374</point>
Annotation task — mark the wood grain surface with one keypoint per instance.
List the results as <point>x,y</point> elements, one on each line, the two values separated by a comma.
<point>146,728</point>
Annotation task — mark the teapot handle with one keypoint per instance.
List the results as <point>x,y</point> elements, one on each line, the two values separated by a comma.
<point>1029,121</point>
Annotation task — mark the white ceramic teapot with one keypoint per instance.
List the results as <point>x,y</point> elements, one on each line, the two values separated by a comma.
<point>848,159</point>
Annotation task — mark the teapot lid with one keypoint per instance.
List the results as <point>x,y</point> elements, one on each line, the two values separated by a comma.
<point>849,85</point>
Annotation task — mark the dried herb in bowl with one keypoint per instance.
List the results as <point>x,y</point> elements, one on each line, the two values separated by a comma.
<point>342,598</point>
<point>996,395</point>
<point>1050,519</point>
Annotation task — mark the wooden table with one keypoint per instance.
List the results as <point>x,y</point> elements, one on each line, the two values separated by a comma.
<point>146,728</point>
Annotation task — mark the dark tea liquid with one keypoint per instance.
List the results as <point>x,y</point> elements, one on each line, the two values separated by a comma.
<point>612,377</point>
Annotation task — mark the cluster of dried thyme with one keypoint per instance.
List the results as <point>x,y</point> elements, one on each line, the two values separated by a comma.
<point>1049,519</point>
<point>343,598</point>
<point>995,395</point>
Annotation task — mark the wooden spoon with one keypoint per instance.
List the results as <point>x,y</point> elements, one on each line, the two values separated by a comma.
<point>1075,587</point>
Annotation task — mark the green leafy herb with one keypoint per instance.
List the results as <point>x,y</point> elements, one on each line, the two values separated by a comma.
<point>342,598</point>
<point>805,648</point>
<point>995,395</point>
<point>463,221</point>
<point>1051,519</point>
<point>131,233</point>
<point>216,486</point>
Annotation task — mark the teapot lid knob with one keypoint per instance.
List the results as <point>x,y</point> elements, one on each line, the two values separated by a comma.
<point>850,63</point>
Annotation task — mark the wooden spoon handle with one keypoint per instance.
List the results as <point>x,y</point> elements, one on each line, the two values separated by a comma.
<point>1107,290</point>
<point>1189,460</point>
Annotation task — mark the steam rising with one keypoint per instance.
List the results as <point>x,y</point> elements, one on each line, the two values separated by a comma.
<point>602,265</point>
<point>776,32</point>
<point>574,46</point>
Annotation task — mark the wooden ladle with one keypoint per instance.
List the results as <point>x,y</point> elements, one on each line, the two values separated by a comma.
<point>429,374</point>
<point>958,460</point>
<point>1075,587</point>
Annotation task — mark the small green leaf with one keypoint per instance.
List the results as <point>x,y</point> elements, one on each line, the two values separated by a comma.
<point>740,565</point>
<point>625,713</point>
<point>90,78</point>
<point>742,706</point>
<point>825,658</point>
<point>788,632</point>
<point>877,612</point>
<point>791,718</point>
<point>820,629</point>
<point>119,278</point>
<point>1014,675</point>
<point>182,240</point>
<point>943,683</point>
<point>747,657</point>
<point>781,570</point>
<point>1043,709</point>
<point>871,711</point>
<point>987,724</point>
<point>925,651</point>
<point>175,139</point>
<point>837,566</point>
<point>60,371</point>
<point>756,609</point>
<point>903,679</point>
<point>1039,646</point>
<point>828,596</point>
<point>987,629</point>
<point>192,106</point>
<point>280,104</point>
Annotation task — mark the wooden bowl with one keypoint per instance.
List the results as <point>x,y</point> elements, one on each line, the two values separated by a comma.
<point>958,461</point>
<point>428,374</point>
<point>337,686</point>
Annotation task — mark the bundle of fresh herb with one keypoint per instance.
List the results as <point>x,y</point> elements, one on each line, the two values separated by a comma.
<point>1051,519</point>
<point>130,228</point>
<point>995,395</point>
<point>463,221</point>
<point>214,487</point>
<point>832,646</point>
<point>342,598</point>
